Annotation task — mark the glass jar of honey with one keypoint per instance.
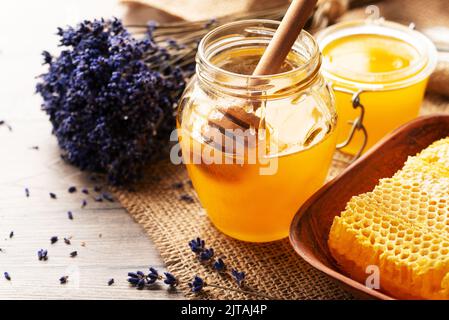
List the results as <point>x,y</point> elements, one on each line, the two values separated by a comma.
<point>387,65</point>
<point>255,147</point>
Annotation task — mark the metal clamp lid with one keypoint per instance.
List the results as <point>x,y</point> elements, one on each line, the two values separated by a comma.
<point>357,123</point>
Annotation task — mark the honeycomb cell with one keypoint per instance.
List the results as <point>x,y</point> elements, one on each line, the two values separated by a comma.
<point>402,226</point>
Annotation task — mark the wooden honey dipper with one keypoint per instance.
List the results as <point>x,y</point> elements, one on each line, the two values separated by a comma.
<point>275,54</point>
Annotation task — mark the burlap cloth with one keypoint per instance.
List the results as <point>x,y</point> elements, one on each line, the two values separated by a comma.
<point>272,268</point>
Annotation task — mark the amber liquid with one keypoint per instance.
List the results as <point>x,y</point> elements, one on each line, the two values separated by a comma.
<point>385,110</point>
<point>239,200</point>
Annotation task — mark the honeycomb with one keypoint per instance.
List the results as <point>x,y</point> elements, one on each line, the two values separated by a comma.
<point>402,227</point>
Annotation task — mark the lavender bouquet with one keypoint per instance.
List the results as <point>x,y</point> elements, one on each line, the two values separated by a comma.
<point>110,111</point>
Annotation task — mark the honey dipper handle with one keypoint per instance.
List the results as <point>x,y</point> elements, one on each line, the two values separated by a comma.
<point>285,36</point>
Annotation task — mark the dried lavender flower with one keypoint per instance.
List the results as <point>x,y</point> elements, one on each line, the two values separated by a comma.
<point>70,215</point>
<point>85,191</point>
<point>54,239</point>
<point>3,122</point>
<point>170,279</point>
<point>187,198</point>
<point>42,255</point>
<point>83,203</point>
<point>178,185</point>
<point>239,277</point>
<point>197,284</point>
<point>52,195</point>
<point>153,276</point>
<point>11,234</point>
<point>67,241</point>
<point>73,254</point>
<point>133,275</point>
<point>27,192</point>
<point>137,279</point>
<point>107,196</point>
<point>110,99</point>
<point>197,245</point>
<point>206,254</point>
<point>63,279</point>
<point>219,265</point>
<point>111,282</point>
<point>7,276</point>
<point>71,189</point>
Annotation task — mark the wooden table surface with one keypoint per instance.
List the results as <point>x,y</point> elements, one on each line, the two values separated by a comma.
<point>114,243</point>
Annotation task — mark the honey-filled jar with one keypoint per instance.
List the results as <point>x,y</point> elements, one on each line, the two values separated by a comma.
<point>255,147</point>
<point>379,71</point>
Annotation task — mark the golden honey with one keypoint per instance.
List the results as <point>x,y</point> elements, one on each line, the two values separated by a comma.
<point>388,63</point>
<point>246,197</point>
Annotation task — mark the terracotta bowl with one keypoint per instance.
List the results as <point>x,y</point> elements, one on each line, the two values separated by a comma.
<point>310,227</point>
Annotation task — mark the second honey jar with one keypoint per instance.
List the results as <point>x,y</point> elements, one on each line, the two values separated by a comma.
<point>386,64</point>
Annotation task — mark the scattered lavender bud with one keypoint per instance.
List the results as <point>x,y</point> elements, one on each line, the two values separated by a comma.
<point>153,276</point>
<point>178,185</point>
<point>34,147</point>
<point>63,279</point>
<point>239,277</point>
<point>197,284</point>
<point>54,239</point>
<point>73,254</point>
<point>67,241</point>
<point>72,189</point>
<point>187,198</point>
<point>133,281</point>
<point>219,265</point>
<point>42,255</point>
<point>11,234</point>
<point>7,276</point>
<point>206,254</point>
<point>83,203</point>
<point>170,279</point>
<point>141,284</point>
<point>111,282</point>
<point>197,245</point>
<point>107,196</point>
<point>3,122</point>
<point>98,199</point>
<point>27,192</point>
<point>52,195</point>
<point>85,191</point>
<point>70,215</point>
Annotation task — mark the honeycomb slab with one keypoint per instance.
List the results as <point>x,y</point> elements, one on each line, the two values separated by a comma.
<point>402,227</point>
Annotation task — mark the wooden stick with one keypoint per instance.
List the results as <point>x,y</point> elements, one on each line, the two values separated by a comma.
<point>285,36</point>
<point>273,57</point>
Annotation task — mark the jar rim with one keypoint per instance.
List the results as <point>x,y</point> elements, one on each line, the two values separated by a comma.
<point>415,72</point>
<point>203,54</point>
